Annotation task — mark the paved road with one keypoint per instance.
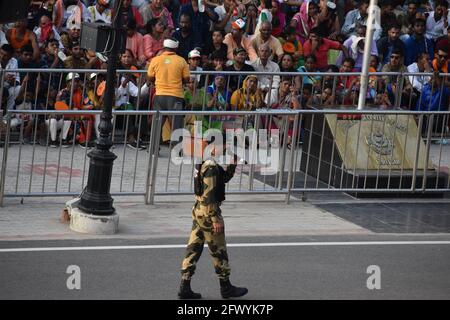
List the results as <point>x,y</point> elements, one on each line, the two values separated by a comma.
<point>323,269</point>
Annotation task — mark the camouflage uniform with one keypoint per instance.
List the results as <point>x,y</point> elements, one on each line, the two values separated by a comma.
<point>205,212</point>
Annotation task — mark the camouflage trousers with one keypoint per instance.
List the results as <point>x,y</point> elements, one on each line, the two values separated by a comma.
<point>201,232</point>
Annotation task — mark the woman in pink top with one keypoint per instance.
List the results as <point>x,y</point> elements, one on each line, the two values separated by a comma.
<point>305,19</point>
<point>153,40</point>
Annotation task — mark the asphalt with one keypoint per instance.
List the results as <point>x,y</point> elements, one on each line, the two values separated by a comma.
<point>315,268</point>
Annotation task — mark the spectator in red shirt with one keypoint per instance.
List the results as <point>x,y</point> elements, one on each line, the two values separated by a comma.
<point>318,46</point>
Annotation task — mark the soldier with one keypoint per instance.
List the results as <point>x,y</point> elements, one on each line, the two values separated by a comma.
<point>209,181</point>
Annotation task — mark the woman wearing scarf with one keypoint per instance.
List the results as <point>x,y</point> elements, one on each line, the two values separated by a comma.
<point>305,19</point>
<point>248,98</point>
<point>130,12</point>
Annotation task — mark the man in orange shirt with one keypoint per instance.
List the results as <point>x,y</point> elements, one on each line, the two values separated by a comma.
<point>169,71</point>
<point>237,38</point>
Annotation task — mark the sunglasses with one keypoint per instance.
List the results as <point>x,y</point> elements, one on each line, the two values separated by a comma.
<point>395,57</point>
<point>442,56</point>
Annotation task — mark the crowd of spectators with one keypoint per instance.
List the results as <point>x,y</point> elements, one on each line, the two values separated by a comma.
<point>226,35</point>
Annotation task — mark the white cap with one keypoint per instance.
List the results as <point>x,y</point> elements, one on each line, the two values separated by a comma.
<point>171,44</point>
<point>72,75</point>
<point>92,75</point>
<point>331,5</point>
<point>194,54</point>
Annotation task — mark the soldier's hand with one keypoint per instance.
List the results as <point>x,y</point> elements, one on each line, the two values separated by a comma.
<point>218,227</point>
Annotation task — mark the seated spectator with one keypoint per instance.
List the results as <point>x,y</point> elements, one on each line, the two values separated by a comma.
<point>237,38</point>
<point>128,62</point>
<point>359,16</point>
<point>407,19</point>
<point>444,42</point>
<point>76,59</point>
<point>26,61</point>
<point>236,81</point>
<point>20,36</point>
<point>215,43</point>
<point>188,39</point>
<point>94,98</point>
<point>194,98</point>
<point>71,35</point>
<point>417,43</point>
<point>135,43</point>
<point>310,66</point>
<point>154,39</point>
<point>51,60</point>
<point>437,20</point>
<point>305,20</point>
<point>11,79</point>
<point>2,36</point>
<point>66,9</point>
<point>218,96</point>
<point>251,18</point>
<point>441,63</point>
<point>69,98</point>
<point>347,86</point>
<point>319,46</point>
<point>355,47</point>
<point>264,64</point>
<point>292,45</point>
<point>249,97</point>
<point>131,12</point>
<point>194,60</point>
<point>422,65</point>
<point>278,19</point>
<point>286,63</point>
<point>156,10</point>
<point>387,16</point>
<point>286,97</point>
<point>45,31</point>
<point>392,81</point>
<point>392,41</point>
<point>265,38</point>
<point>101,12</point>
<point>435,97</point>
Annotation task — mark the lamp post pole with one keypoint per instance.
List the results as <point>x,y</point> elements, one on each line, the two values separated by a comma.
<point>96,198</point>
<point>367,50</point>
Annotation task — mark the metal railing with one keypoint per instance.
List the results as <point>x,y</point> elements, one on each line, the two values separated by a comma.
<point>324,150</point>
<point>331,150</point>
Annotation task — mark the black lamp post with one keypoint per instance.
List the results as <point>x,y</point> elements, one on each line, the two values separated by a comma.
<point>96,198</point>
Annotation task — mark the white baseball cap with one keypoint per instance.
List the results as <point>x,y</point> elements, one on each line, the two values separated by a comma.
<point>72,75</point>
<point>194,54</point>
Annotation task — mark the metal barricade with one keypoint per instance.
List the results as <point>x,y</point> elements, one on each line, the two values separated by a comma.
<point>321,146</point>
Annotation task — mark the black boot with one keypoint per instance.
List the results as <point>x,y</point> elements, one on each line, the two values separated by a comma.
<point>227,290</point>
<point>186,291</point>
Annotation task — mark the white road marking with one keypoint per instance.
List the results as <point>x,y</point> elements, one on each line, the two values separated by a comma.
<point>238,245</point>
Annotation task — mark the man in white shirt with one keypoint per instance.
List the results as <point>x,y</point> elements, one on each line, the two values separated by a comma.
<point>437,21</point>
<point>422,65</point>
<point>263,64</point>
<point>100,12</point>
<point>12,79</point>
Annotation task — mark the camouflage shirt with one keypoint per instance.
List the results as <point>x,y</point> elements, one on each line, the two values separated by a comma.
<point>212,174</point>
